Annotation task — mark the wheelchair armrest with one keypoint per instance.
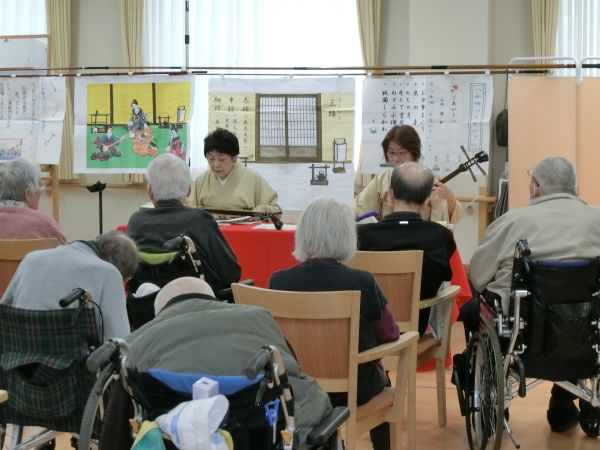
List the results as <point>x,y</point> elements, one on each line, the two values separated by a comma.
<point>227,293</point>
<point>328,426</point>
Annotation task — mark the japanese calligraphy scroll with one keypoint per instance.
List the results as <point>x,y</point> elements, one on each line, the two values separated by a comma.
<point>447,111</point>
<point>32,111</point>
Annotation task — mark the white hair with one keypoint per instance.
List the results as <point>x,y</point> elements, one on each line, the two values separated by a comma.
<point>555,175</point>
<point>168,177</point>
<point>326,230</point>
<point>17,178</point>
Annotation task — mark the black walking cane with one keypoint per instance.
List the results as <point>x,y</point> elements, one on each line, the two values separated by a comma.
<point>98,187</point>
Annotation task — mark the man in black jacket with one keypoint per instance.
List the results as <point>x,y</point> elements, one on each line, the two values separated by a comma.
<point>404,229</point>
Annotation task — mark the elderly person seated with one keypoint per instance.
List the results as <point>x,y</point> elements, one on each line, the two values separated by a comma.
<point>168,185</point>
<point>558,225</point>
<point>325,239</point>
<point>402,144</point>
<point>404,229</point>
<point>19,199</point>
<point>229,184</point>
<point>100,267</point>
<point>194,334</point>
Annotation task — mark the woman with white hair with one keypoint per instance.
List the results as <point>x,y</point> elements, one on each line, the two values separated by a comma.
<point>325,239</point>
<point>168,181</point>
<point>19,200</point>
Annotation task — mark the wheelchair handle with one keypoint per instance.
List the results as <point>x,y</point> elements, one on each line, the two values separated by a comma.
<point>257,362</point>
<point>174,244</point>
<point>76,294</point>
<point>97,360</point>
<point>523,248</point>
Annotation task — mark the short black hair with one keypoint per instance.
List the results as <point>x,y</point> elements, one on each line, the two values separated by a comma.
<point>223,141</point>
<point>413,190</point>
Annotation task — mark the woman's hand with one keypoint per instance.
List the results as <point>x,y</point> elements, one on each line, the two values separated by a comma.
<point>440,190</point>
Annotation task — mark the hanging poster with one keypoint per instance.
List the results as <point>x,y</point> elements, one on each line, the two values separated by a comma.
<point>297,132</point>
<point>123,123</point>
<point>32,112</point>
<point>446,110</point>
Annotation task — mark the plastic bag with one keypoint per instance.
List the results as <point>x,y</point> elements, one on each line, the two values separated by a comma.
<point>194,425</point>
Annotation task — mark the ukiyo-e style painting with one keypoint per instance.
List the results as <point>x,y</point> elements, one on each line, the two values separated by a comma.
<point>126,125</point>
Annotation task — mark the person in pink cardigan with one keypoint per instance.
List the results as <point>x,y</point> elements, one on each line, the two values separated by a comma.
<point>19,200</point>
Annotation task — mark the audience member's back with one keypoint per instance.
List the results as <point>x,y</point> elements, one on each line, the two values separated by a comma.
<point>168,186</point>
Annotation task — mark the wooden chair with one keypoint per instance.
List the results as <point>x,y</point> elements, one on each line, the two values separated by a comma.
<point>398,274</point>
<point>12,252</point>
<point>322,328</point>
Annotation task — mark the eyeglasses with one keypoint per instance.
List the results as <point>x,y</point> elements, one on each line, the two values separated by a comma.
<point>529,173</point>
<point>399,154</point>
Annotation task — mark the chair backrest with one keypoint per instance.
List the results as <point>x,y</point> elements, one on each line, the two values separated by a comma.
<point>398,274</point>
<point>561,314</point>
<point>41,365</point>
<point>308,320</point>
<point>12,252</point>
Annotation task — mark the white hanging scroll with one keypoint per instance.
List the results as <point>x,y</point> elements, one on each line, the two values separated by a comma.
<point>446,110</point>
<point>32,111</point>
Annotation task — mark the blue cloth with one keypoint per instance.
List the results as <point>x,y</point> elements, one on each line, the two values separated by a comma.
<point>183,382</point>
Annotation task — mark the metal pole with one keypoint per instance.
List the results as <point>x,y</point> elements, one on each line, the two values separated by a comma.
<point>187,33</point>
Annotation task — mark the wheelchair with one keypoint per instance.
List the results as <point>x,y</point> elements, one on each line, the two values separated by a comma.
<point>42,366</point>
<point>152,394</point>
<point>552,332</point>
<point>180,259</point>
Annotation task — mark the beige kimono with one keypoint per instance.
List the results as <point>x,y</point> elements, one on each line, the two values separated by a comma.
<point>375,197</point>
<point>244,189</point>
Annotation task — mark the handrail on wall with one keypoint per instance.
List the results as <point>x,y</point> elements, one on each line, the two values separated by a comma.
<point>585,65</point>
<point>574,64</point>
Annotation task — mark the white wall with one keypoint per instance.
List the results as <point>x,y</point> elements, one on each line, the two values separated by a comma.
<point>413,32</point>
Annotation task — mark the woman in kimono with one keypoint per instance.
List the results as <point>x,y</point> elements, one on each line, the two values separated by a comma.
<point>402,144</point>
<point>229,184</point>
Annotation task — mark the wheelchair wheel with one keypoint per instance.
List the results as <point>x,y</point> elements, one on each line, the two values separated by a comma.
<point>589,419</point>
<point>93,414</point>
<point>485,391</point>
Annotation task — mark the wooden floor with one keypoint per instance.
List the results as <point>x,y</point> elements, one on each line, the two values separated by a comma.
<point>527,418</point>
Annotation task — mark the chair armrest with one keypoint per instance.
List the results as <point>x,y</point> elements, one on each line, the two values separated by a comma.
<point>328,426</point>
<point>449,293</point>
<point>389,348</point>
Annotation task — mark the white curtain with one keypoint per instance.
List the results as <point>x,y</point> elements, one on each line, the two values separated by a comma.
<point>578,31</point>
<point>248,33</point>
<point>22,17</point>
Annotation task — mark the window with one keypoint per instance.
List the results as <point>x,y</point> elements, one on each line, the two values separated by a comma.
<point>578,34</point>
<point>288,127</point>
<point>18,17</point>
<point>251,33</point>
